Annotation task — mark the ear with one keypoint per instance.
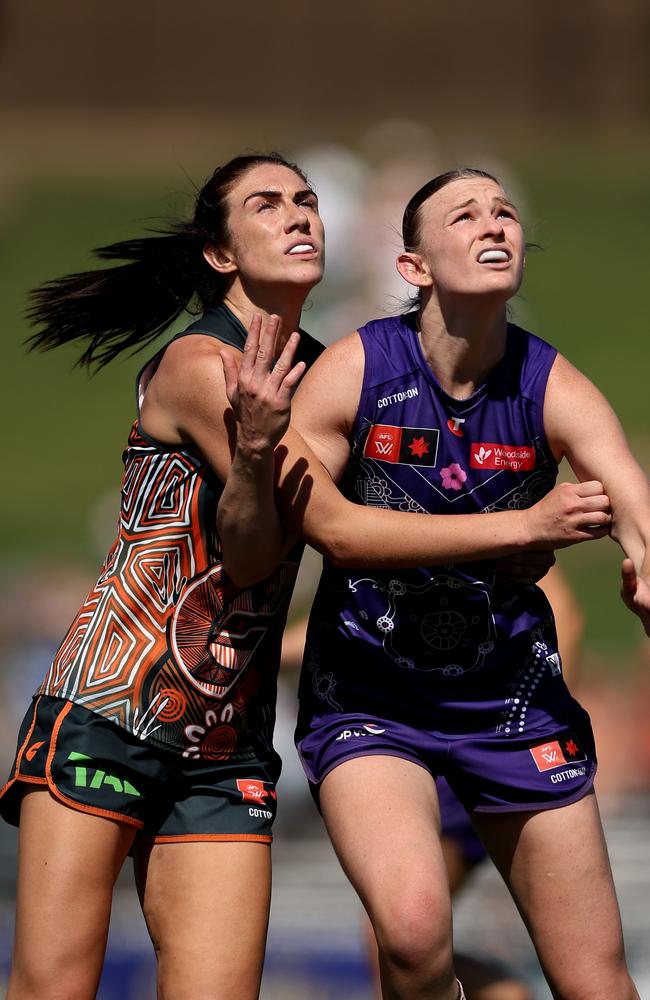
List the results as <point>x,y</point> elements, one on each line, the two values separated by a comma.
<point>219,259</point>
<point>414,269</point>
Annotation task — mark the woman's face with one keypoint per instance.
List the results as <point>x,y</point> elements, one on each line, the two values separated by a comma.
<point>275,232</point>
<point>471,240</point>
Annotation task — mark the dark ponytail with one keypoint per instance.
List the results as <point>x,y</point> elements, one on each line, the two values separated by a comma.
<point>113,309</point>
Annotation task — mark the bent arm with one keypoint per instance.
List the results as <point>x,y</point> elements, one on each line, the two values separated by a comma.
<point>350,534</point>
<point>248,522</point>
<point>186,403</point>
<point>581,426</point>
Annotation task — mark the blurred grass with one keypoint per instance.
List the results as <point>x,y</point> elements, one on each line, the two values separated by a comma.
<point>64,431</point>
<point>586,292</point>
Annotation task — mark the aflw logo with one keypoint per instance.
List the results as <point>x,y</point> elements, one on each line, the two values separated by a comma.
<point>515,457</point>
<point>554,753</point>
<point>402,445</point>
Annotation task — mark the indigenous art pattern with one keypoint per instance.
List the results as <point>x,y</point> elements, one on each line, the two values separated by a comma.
<point>163,641</point>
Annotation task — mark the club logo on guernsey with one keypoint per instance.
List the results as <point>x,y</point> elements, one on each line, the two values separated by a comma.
<point>31,751</point>
<point>402,445</point>
<point>556,753</point>
<point>488,455</point>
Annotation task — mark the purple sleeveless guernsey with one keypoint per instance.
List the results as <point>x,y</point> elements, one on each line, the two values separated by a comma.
<point>446,649</point>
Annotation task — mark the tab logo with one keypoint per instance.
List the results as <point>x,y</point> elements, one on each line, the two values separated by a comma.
<point>402,445</point>
<point>555,753</point>
<point>488,455</point>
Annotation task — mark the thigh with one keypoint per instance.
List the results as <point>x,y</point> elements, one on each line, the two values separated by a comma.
<point>556,865</point>
<point>207,906</point>
<point>68,861</point>
<point>383,819</point>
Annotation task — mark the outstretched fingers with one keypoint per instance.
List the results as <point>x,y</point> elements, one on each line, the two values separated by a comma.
<point>286,375</point>
<point>260,388</point>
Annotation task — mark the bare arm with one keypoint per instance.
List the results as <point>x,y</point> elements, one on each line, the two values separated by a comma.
<point>247,518</point>
<point>353,535</point>
<point>186,403</point>
<point>581,425</point>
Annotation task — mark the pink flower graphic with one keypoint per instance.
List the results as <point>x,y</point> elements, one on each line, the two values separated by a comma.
<point>453,476</point>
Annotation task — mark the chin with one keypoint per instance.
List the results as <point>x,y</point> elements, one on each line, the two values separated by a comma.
<point>309,277</point>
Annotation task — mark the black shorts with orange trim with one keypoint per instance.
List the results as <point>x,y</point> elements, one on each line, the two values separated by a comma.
<point>95,766</point>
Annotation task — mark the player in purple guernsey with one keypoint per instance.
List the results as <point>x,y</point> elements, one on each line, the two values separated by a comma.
<point>452,670</point>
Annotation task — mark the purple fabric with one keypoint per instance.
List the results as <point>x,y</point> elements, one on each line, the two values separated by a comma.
<point>487,773</point>
<point>445,650</point>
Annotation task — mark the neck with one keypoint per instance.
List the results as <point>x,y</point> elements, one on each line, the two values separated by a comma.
<point>462,341</point>
<point>283,302</point>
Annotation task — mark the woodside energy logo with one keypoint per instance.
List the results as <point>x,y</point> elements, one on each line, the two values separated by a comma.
<point>488,455</point>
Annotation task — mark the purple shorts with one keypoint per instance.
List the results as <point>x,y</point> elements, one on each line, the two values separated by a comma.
<point>487,772</point>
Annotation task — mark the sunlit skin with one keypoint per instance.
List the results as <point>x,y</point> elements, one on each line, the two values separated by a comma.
<point>463,294</point>
<point>272,215</point>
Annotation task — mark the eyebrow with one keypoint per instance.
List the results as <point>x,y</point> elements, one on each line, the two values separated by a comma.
<point>497,200</point>
<point>276,195</point>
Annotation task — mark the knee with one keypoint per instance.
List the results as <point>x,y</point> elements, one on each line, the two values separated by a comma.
<point>416,940</point>
<point>36,984</point>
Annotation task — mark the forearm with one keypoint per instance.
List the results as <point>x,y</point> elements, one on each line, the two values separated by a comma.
<point>248,524</point>
<point>380,538</point>
<point>631,521</point>
<point>350,534</point>
<point>259,391</point>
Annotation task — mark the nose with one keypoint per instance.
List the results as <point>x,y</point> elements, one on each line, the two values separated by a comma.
<point>492,226</point>
<point>296,218</point>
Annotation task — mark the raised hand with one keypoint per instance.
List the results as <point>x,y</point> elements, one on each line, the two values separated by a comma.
<point>635,592</point>
<point>259,391</point>
<point>570,513</point>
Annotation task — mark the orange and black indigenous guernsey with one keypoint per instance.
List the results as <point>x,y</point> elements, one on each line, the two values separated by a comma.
<point>165,645</point>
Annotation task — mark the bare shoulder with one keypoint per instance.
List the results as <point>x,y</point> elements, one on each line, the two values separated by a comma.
<point>579,420</point>
<point>348,350</point>
<point>571,394</point>
<point>330,389</point>
<point>190,363</point>
<point>339,367</point>
<point>188,386</point>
